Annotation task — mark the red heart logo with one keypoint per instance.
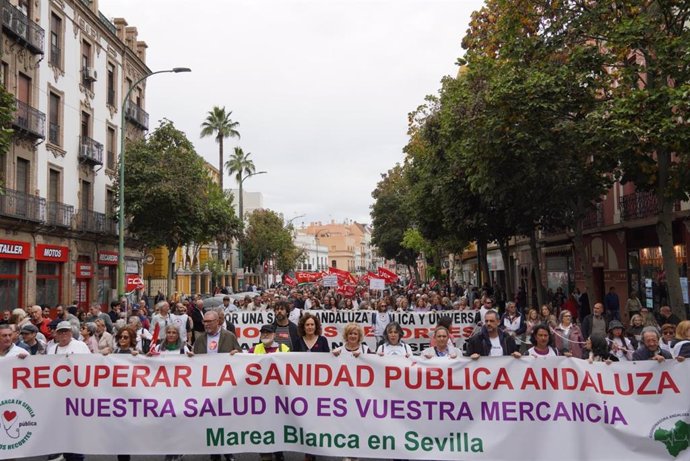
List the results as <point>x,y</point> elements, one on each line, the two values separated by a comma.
<point>9,415</point>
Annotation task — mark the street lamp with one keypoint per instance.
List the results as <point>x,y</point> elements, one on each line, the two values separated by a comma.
<point>239,243</point>
<point>121,188</point>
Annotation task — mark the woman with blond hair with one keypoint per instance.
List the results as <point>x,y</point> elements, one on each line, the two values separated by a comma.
<point>354,345</point>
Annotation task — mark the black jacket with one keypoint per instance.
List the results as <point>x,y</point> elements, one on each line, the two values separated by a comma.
<point>481,344</point>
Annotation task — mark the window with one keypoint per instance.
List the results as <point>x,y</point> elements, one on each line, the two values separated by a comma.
<point>56,40</point>
<point>5,75</point>
<point>109,202</point>
<point>22,182</point>
<point>112,142</point>
<point>54,119</point>
<point>111,84</point>
<point>85,125</point>
<point>47,284</point>
<point>85,64</point>
<point>10,282</point>
<point>53,186</point>
<point>334,263</point>
<point>24,89</point>
<point>85,199</point>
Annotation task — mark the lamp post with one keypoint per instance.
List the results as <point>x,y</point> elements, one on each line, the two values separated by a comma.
<point>239,243</point>
<point>121,188</point>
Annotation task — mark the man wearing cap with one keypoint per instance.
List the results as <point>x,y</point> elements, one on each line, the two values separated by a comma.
<point>65,343</point>
<point>7,346</point>
<point>268,345</point>
<point>29,341</point>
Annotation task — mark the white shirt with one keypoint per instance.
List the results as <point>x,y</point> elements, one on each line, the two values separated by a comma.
<point>294,315</point>
<point>496,349</point>
<point>180,321</point>
<point>533,353</point>
<point>401,349</point>
<point>14,351</point>
<point>73,347</point>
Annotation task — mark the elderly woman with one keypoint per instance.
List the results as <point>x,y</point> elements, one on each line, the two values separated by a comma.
<point>171,343</point>
<point>393,343</point>
<point>354,344</point>
<point>88,333</point>
<point>568,337</point>
<point>143,336</point>
<point>441,348</point>
<point>105,339</point>
<point>310,338</point>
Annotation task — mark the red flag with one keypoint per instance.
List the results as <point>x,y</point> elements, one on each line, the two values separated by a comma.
<point>433,284</point>
<point>305,277</point>
<point>343,276</point>
<point>347,290</point>
<point>411,284</point>
<point>153,349</point>
<point>389,276</point>
<point>289,281</point>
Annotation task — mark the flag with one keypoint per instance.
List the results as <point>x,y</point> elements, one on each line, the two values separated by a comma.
<point>153,349</point>
<point>389,276</point>
<point>411,284</point>
<point>289,281</point>
<point>307,277</point>
<point>347,290</point>
<point>433,284</point>
<point>343,276</point>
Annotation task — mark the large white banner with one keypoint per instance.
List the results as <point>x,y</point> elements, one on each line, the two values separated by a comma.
<point>379,407</point>
<point>417,327</point>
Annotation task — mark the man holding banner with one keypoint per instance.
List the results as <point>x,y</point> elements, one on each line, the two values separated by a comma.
<point>491,341</point>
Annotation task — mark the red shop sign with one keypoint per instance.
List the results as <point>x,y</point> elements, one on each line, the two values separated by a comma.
<point>84,271</point>
<point>10,249</point>
<point>53,253</point>
<point>107,258</point>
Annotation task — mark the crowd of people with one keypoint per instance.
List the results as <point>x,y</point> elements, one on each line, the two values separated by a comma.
<point>184,326</point>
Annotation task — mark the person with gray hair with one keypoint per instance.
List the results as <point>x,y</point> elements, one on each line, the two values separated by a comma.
<point>161,317</point>
<point>650,350</point>
<point>88,333</point>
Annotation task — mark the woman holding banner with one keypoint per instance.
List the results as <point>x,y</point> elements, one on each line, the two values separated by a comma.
<point>542,341</point>
<point>310,338</point>
<point>354,345</point>
<point>393,345</point>
<point>441,348</point>
<point>172,342</point>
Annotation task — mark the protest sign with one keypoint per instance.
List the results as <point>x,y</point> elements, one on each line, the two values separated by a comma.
<point>370,406</point>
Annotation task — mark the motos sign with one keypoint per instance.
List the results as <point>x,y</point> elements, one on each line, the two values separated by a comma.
<point>52,253</point>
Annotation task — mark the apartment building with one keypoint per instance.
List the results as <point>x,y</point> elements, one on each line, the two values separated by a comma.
<point>349,244</point>
<point>69,68</point>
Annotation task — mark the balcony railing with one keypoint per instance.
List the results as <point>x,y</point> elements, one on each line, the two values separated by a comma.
<point>640,205</point>
<point>90,151</point>
<point>18,24</point>
<point>59,214</point>
<point>30,121</point>
<point>594,218</point>
<point>20,205</point>
<point>93,221</point>
<point>137,115</point>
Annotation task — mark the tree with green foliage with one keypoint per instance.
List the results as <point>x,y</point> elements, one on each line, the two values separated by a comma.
<point>7,108</point>
<point>219,124</point>
<point>166,191</point>
<point>267,238</point>
<point>240,164</point>
<point>391,219</point>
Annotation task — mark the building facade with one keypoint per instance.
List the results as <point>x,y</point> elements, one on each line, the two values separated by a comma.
<point>68,68</point>
<point>348,243</point>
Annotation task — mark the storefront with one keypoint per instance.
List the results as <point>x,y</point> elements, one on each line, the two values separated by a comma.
<point>107,277</point>
<point>13,256</point>
<point>50,262</point>
<point>83,275</point>
<point>560,272</point>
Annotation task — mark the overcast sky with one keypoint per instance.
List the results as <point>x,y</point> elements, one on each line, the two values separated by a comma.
<point>321,89</point>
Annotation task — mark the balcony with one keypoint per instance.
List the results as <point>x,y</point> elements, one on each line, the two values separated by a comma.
<point>18,25</point>
<point>137,115</point>
<point>58,214</point>
<point>98,223</point>
<point>20,205</point>
<point>594,218</point>
<point>90,151</point>
<point>640,205</point>
<point>29,121</point>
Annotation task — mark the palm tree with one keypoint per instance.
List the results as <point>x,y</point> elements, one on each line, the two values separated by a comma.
<point>240,164</point>
<point>219,123</point>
